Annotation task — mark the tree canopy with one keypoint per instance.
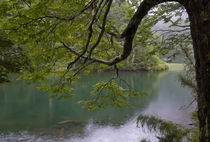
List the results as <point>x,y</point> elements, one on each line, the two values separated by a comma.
<point>73,37</point>
<point>69,37</point>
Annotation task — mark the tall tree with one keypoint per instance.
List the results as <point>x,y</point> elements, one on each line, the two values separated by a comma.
<point>11,59</point>
<point>82,27</point>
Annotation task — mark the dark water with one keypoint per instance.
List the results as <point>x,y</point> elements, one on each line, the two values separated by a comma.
<point>27,114</point>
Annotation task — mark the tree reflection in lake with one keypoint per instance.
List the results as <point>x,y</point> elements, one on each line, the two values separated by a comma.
<point>24,108</point>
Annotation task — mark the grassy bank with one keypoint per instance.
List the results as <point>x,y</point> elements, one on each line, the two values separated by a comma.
<point>175,66</point>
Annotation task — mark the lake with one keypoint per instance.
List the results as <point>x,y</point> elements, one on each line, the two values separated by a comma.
<point>27,114</point>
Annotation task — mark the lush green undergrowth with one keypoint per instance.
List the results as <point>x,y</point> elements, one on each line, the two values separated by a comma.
<point>151,63</point>
<point>168,131</point>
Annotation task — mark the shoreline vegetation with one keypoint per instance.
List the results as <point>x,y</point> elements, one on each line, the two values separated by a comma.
<point>158,68</point>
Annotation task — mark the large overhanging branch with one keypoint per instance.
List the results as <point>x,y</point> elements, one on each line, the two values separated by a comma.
<point>128,34</point>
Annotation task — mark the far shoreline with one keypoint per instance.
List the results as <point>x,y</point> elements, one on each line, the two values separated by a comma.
<point>171,67</point>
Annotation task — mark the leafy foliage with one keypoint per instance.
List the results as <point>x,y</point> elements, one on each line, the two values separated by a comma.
<point>168,131</point>
<point>188,79</point>
<point>11,59</point>
<point>109,94</point>
<point>144,140</point>
<point>145,44</point>
<point>67,38</point>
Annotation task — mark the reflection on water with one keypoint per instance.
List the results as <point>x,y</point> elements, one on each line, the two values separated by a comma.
<point>27,114</point>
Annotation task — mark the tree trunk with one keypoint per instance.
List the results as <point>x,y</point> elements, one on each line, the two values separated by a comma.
<point>199,14</point>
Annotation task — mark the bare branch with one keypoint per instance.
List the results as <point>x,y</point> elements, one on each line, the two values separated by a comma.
<point>113,33</point>
<point>83,56</point>
<point>81,69</point>
<point>103,29</point>
<point>170,30</point>
<point>90,28</point>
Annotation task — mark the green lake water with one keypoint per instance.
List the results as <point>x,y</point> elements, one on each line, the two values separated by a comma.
<point>27,114</point>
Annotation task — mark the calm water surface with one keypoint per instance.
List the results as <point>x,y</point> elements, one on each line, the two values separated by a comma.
<point>27,114</point>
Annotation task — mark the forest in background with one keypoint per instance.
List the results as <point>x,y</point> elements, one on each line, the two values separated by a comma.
<point>42,44</point>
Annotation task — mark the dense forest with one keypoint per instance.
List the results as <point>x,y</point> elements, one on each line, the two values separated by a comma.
<point>66,39</point>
